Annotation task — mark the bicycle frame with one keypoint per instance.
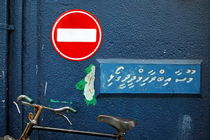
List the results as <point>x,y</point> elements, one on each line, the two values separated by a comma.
<point>32,125</point>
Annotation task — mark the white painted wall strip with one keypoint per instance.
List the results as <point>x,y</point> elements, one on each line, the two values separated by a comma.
<point>76,35</point>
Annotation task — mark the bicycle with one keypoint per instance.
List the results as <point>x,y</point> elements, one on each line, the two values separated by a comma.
<point>120,124</point>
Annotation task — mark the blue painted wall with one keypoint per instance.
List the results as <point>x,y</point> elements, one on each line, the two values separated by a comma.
<point>172,29</point>
<point>3,66</point>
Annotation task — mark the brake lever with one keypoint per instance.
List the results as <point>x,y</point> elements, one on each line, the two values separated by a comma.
<point>18,109</point>
<point>65,117</point>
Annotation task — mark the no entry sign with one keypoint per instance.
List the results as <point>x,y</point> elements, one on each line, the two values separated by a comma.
<point>76,35</point>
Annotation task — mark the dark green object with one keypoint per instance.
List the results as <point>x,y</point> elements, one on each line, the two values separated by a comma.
<point>91,102</point>
<point>54,101</point>
<point>81,84</point>
<point>88,69</point>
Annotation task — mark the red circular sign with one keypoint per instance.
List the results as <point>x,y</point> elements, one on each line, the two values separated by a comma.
<point>76,35</point>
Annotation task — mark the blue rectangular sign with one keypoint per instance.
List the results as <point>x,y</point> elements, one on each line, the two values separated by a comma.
<point>149,76</point>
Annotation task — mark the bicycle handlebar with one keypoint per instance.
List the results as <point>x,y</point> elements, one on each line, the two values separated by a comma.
<point>24,97</point>
<point>29,102</point>
<point>62,109</point>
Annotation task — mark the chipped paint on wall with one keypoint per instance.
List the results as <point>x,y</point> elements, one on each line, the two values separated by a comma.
<point>45,89</point>
<point>60,101</point>
<point>3,76</point>
<point>37,69</point>
<point>87,85</point>
<point>185,128</point>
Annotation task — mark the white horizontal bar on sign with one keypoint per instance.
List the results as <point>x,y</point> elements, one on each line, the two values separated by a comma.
<point>76,35</point>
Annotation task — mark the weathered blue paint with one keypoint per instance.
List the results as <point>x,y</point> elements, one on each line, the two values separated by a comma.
<point>15,79</point>
<point>131,29</point>
<point>3,66</point>
<point>149,76</point>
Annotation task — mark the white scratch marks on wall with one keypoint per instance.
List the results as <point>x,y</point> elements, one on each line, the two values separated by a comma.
<point>42,47</point>
<point>186,123</point>
<point>3,101</point>
<point>45,89</point>
<point>3,76</point>
<point>37,69</point>
<point>185,128</point>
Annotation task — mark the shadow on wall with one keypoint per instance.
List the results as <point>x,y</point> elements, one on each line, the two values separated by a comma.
<point>126,95</point>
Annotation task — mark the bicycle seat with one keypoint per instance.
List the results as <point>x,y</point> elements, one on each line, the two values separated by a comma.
<point>120,124</point>
<point>7,137</point>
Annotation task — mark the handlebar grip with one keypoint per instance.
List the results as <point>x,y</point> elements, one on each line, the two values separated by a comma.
<point>28,99</point>
<point>24,97</point>
<point>72,110</point>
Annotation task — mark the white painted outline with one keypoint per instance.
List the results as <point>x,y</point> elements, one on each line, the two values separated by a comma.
<point>45,89</point>
<point>71,58</point>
